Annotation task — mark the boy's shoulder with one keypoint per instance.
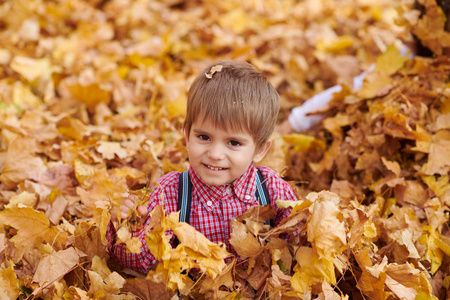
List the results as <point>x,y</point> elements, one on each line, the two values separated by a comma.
<point>267,172</point>
<point>169,180</point>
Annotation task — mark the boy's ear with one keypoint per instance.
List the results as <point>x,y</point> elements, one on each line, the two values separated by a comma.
<point>259,155</point>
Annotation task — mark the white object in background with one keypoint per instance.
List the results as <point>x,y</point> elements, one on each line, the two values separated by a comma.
<point>299,119</point>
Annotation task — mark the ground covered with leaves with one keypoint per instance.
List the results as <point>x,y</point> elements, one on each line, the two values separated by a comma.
<point>92,103</point>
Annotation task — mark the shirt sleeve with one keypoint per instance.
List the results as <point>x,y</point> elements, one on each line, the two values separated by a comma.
<point>142,262</point>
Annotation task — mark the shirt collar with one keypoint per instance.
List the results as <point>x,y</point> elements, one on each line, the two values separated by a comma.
<point>244,187</point>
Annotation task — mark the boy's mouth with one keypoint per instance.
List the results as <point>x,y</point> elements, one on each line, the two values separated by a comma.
<point>214,168</point>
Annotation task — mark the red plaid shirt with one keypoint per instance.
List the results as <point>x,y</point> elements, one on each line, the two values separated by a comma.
<point>212,210</point>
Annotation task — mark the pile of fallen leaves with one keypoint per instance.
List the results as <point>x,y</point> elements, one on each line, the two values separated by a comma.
<point>92,97</point>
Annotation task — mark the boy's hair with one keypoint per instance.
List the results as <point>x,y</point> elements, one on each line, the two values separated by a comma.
<point>234,96</point>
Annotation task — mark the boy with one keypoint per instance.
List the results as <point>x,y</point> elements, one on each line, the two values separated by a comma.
<point>231,114</point>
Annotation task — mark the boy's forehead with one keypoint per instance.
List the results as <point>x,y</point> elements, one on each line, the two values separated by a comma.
<point>230,127</point>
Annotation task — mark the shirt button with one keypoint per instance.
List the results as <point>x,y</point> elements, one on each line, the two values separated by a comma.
<point>209,203</point>
<point>247,197</point>
<point>228,190</point>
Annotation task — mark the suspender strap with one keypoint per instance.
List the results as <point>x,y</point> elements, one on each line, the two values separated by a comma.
<point>261,191</point>
<point>184,196</point>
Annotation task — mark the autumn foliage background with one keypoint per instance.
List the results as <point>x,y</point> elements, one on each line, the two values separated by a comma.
<point>92,103</point>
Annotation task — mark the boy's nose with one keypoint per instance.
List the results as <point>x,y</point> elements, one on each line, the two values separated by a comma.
<point>216,152</point>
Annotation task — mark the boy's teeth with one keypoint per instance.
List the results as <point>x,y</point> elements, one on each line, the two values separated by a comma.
<point>215,169</point>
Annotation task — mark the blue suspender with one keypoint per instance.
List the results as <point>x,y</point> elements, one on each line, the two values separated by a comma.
<point>261,191</point>
<point>185,196</point>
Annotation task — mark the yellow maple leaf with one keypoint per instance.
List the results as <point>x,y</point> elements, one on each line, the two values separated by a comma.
<point>24,98</point>
<point>74,293</point>
<point>390,61</point>
<point>326,230</point>
<point>311,270</point>
<point>104,287</point>
<point>156,239</point>
<point>32,69</point>
<point>9,283</point>
<point>235,19</point>
<point>208,255</point>
<point>335,45</point>
<point>433,253</point>
<point>33,227</point>
<point>72,128</point>
<point>91,94</point>
<point>303,143</point>
<point>177,107</point>
<point>438,185</point>
<point>134,245</point>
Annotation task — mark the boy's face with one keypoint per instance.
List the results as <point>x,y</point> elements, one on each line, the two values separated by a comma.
<point>220,156</point>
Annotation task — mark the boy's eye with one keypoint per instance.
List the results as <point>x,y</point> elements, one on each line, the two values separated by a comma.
<point>234,143</point>
<point>203,137</point>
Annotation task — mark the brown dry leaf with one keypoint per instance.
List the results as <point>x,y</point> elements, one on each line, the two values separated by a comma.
<point>256,214</point>
<point>278,278</point>
<point>392,166</point>
<point>88,240</point>
<point>328,293</point>
<point>109,150</point>
<point>55,265</point>
<point>21,162</point>
<point>430,27</point>
<point>260,271</point>
<point>439,157</point>
<point>212,288</point>
<point>146,289</point>
<point>412,192</point>
<point>373,278</point>
<point>244,243</point>
<point>407,282</point>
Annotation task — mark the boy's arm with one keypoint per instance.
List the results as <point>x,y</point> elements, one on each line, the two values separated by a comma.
<point>143,261</point>
<point>140,262</point>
